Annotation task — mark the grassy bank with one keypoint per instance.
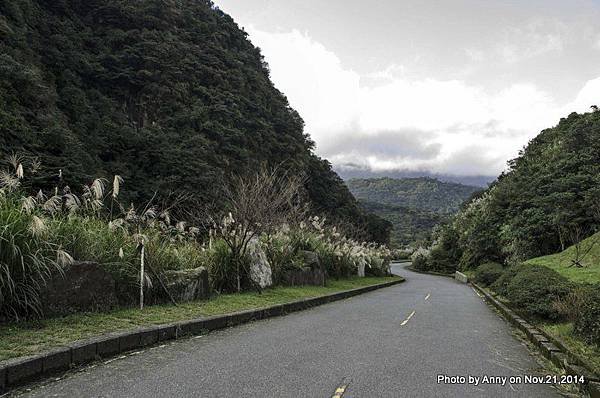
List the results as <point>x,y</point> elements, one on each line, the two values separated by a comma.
<point>564,331</point>
<point>561,262</point>
<point>26,338</point>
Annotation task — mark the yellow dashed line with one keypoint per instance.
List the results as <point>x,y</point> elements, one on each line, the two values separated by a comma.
<point>339,392</point>
<point>407,319</point>
<point>427,297</point>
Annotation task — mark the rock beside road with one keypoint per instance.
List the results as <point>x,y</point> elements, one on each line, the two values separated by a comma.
<point>83,286</point>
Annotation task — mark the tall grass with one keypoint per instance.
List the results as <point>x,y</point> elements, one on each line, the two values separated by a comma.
<point>27,258</point>
<point>40,234</point>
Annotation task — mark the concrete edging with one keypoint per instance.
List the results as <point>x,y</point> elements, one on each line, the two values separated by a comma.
<point>418,271</point>
<point>462,278</point>
<point>558,354</point>
<point>18,371</point>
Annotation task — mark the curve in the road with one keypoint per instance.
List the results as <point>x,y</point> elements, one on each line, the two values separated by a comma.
<point>396,342</point>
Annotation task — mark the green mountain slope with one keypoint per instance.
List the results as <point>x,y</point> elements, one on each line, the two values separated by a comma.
<point>413,205</point>
<point>548,198</point>
<point>422,193</point>
<point>409,224</point>
<point>170,94</point>
<point>562,262</point>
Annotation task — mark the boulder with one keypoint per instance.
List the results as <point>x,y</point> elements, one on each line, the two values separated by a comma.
<point>260,269</point>
<point>310,259</point>
<point>186,285</point>
<point>83,286</point>
<point>304,276</point>
<point>361,269</point>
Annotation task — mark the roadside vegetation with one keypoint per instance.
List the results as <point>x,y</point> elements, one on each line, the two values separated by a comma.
<point>588,254</point>
<point>266,220</point>
<point>532,237</point>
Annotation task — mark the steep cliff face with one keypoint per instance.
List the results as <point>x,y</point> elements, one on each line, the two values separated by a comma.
<point>170,94</point>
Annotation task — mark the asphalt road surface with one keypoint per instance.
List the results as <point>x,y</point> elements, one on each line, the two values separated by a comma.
<point>394,342</point>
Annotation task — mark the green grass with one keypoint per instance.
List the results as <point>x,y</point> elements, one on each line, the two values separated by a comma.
<point>26,338</point>
<point>561,262</point>
<point>564,331</point>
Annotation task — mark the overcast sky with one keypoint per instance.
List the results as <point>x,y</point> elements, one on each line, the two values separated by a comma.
<point>454,87</point>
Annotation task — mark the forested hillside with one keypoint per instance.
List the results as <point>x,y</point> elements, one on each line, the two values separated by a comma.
<point>410,224</point>
<point>168,94</point>
<point>423,193</point>
<point>413,205</point>
<point>548,200</point>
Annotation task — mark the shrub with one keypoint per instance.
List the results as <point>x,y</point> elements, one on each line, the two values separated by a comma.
<point>570,307</point>
<point>587,324</point>
<point>488,273</point>
<point>282,254</point>
<point>223,268</point>
<point>419,258</point>
<point>440,260</point>
<point>500,286</point>
<point>534,289</point>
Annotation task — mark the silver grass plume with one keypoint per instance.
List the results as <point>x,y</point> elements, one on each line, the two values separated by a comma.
<point>117,181</point>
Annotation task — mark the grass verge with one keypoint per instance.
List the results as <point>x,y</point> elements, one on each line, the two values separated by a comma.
<point>26,338</point>
<point>564,331</point>
<point>561,262</point>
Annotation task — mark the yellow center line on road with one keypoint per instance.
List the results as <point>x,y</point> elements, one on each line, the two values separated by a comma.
<point>427,297</point>
<point>339,392</point>
<point>404,322</point>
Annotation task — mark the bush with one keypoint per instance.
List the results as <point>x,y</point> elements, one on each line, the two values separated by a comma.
<point>282,254</point>
<point>571,306</point>
<point>419,259</point>
<point>587,324</point>
<point>223,268</point>
<point>440,260</point>
<point>534,289</point>
<point>488,273</point>
<point>500,286</point>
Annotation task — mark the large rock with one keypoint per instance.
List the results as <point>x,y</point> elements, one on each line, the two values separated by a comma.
<point>260,269</point>
<point>310,259</point>
<point>311,274</point>
<point>304,276</point>
<point>187,285</point>
<point>84,286</point>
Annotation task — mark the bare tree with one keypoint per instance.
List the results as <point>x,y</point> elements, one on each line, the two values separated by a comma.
<point>577,235</point>
<point>257,204</point>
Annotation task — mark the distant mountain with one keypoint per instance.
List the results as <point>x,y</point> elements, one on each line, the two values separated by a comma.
<point>348,172</point>
<point>410,224</point>
<point>421,193</point>
<point>413,205</point>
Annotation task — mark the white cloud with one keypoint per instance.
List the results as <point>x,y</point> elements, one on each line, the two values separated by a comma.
<point>539,36</point>
<point>445,126</point>
<point>588,96</point>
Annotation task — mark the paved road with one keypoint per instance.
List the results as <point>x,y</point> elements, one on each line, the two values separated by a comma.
<point>364,343</point>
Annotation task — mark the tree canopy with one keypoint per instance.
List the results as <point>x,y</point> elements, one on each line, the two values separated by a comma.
<point>547,199</point>
<point>171,95</point>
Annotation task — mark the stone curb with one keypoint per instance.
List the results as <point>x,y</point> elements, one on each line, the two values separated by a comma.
<point>17,371</point>
<point>558,354</point>
<point>418,271</point>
